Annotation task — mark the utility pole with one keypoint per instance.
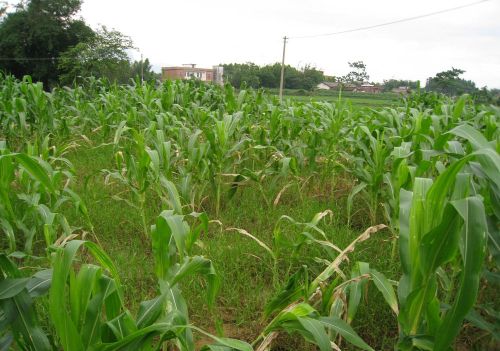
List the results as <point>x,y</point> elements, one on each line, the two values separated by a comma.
<point>282,69</point>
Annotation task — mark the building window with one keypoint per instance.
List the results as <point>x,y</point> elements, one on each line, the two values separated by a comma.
<point>190,74</point>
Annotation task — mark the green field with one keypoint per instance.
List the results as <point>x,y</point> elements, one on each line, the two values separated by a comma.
<point>357,99</point>
<point>218,219</point>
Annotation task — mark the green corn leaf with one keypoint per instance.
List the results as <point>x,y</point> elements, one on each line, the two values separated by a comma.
<point>439,246</point>
<point>39,283</point>
<point>477,140</point>
<point>32,165</point>
<point>179,314</point>
<point>198,265</point>
<point>11,287</point>
<point>19,310</point>
<point>150,311</point>
<point>119,131</point>
<point>162,328</point>
<point>105,261</point>
<point>345,330</point>
<point>140,335</point>
<point>81,289</point>
<point>160,239</point>
<point>64,326</point>
<point>356,289</point>
<point>122,326</point>
<point>405,201</point>
<point>195,232</point>
<point>385,287</point>
<point>216,348</point>
<point>350,199</point>
<point>317,332</point>
<point>92,326</point>
<point>9,232</point>
<point>226,342</point>
<point>178,228</point>
<point>292,291</point>
<point>155,160</point>
<point>299,310</point>
<point>490,162</point>
<point>459,106</point>
<point>173,195</point>
<point>473,250</point>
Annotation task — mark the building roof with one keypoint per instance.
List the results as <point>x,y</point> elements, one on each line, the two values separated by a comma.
<point>187,68</point>
<point>331,84</point>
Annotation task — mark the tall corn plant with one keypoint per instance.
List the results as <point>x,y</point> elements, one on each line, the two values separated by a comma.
<point>141,170</point>
<point>33,189</point>
<point>223,153</point>
<point>442,225</point>
<point>369,163</point>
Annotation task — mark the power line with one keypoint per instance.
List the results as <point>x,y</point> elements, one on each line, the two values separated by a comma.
<point>391,22</point>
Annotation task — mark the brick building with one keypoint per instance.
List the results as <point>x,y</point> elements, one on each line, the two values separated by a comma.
<point>369,88</point>
<point>192,72</point>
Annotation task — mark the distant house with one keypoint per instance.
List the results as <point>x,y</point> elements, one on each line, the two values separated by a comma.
<point>368,88</point>
<point>328,86</point>
<point>349,87</point>
<point>401,90</point>
<point>192,72</point>
<point>335,86</point>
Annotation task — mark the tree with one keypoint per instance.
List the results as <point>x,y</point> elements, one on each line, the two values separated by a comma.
<point>142,69</point>
<point>269,76</point>
<point>357,74</point>
<point>33,37</point>
<point>238,74</point>
<point>449,83</point>
<point>312,77</point>
<point>3,8</point>
<point>396,83</point>
<point>104,55</point>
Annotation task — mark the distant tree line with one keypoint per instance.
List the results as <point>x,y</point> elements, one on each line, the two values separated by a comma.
<point>45,39</point>
<point>268,76</point>
<point>391,84</point>
<point>450,83</point>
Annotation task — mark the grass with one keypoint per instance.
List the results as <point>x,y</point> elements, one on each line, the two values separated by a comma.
<point>357,99</point>
<point>245,268</point>
<point>362,101</point>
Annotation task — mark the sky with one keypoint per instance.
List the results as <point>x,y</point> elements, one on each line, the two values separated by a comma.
<point>208,33</point>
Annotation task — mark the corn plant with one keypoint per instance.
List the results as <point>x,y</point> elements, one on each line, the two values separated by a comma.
<point>369,165</point>
<point>222,152</point>
<point>33,189</point>
<point>442,223</point>
<point>327,324</point>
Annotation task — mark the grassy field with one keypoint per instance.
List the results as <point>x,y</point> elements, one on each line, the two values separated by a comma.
<point>355,98</point>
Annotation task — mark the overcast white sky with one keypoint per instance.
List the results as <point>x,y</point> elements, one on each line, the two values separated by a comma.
<point>224,31</point>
